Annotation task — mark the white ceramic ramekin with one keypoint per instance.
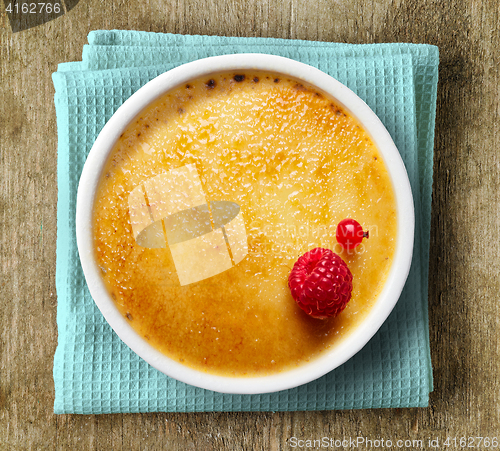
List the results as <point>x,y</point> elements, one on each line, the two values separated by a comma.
<point>405,223</point>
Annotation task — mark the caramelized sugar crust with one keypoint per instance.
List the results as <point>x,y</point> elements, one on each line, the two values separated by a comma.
<point>297,164</point>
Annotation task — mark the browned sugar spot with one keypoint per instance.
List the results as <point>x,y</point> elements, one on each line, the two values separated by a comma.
<point>239,78</point>
<point>256,79</point>
<point>335,109</point>
<point>210,84</point>
<point>188,86</point>
<point>276,80</point>
<point>129,316</point>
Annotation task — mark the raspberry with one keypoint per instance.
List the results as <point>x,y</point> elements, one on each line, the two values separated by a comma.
<point>321,283</point>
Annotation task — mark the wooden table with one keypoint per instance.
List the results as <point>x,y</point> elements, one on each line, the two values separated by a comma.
<point>464,285</point>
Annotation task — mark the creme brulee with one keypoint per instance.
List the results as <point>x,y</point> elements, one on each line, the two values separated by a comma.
<point>296,164</point>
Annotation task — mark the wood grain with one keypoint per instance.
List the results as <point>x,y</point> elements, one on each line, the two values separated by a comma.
<point>464,264</point>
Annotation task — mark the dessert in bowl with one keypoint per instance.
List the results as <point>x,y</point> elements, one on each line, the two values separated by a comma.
<point>203,190</point>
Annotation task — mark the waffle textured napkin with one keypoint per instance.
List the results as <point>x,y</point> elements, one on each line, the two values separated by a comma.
<point>94,372</point>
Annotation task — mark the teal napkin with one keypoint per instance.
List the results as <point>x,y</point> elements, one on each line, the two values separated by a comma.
<point>94,372</point>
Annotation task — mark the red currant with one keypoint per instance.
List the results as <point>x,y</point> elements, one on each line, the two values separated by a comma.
<point>350,233</point>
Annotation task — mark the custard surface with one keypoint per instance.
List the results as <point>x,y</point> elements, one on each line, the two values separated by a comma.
<point>296,164</point>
